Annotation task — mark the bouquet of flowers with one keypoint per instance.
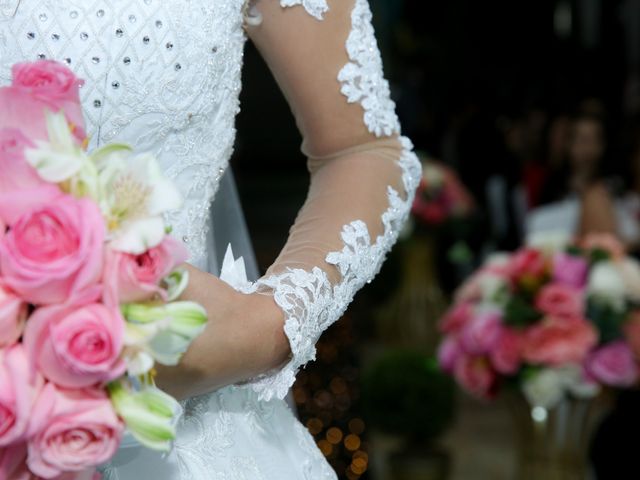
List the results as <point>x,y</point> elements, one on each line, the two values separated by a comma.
<point>550,320</point>
<point>89,282</point>
<point>440,196</point>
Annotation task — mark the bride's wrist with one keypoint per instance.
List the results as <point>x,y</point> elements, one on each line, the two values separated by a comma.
<point>267,319</point>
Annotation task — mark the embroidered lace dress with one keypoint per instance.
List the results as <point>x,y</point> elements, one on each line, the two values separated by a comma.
<point>165,75</point>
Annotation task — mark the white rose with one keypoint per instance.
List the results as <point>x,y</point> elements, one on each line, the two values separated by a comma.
<point>574,381</point>
<point>629,270</point>
<point>606,284</point>
<point>544,389</point>
<point>549,242</point>
<point>497,260</point>
<point>433,175</point>
<point>548,387</point>
<point>492,288</point>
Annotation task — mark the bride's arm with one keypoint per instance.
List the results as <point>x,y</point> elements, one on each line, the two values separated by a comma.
<point>363,174</point>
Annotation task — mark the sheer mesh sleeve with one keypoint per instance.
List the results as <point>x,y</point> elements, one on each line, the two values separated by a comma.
<point>363,173</point>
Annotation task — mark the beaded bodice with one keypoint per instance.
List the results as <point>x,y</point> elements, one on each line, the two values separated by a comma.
<point>162,75</point>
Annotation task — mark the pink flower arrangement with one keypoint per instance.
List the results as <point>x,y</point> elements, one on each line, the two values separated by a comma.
<point>440,196</point>
<point>572,313</point>
<point>75,369</point>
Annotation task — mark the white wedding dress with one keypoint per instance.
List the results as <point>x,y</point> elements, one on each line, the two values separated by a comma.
<point>165,76</point>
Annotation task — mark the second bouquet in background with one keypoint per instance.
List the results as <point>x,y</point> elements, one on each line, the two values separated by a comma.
<point>89,285</point>
<point>551,321</point>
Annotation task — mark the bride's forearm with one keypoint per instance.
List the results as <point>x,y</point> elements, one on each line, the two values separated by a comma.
<point>244,337</point>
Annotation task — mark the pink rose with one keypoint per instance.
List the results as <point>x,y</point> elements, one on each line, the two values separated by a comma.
<point>613,365</point>
<point>51,86</point>
<point>21,110</point>
<point>559,300</point>
<point>13,315</point>
<point>480,335</point>
<point>54,252</point>
<point>12,463</point>
<point>88,474</point>
<point>448,353</point>
<point>475,375</point>
<point>506,355</point>
<point>18,392</point>
<point>17,174</point>
<point>557,341</point>
<point>48,79</point>
<point>135,278</point>
<point>570,270</point>
<point>457,317</point>
<point>76,430</point>
<point>528,265</point>
<point>14,205</point>
<point>76,346</point>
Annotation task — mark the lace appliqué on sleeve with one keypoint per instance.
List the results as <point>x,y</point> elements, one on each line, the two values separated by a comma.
<point>315,8</point>
<point>363,77</point>
<point>311,303</point>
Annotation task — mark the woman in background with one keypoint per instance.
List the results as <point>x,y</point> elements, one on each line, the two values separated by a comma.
<point>585,200</point>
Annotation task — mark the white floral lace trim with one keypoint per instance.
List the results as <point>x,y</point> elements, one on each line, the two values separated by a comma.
<point>363,77</point>
<point>311,303</point>
<point>315,8</point>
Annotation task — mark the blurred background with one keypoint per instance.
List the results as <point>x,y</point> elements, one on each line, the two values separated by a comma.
<point>531,111</point>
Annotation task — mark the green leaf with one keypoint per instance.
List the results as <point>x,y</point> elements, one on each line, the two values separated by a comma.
<point>575,251</point>
<point>520,313</point>
<point>609,321</point>
<point>599,255</point>
<point>102,153</point>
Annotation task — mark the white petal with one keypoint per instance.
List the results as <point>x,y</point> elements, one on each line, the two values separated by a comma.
<point>167,347</point>
<point>55,166</point>
<point>164,195</point>
<point>136,334</point>
<point>544,389</point>
<point>138,236</point>
<point>59,132</point>
<point>138,363</point>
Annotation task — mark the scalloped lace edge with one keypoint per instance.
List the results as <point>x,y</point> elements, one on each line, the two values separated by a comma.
<point>308,299</point>
<point>362,78</point>
<point>315,8</point>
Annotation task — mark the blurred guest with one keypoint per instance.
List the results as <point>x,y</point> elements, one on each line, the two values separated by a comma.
<point>585,201</point>
<point>587,147</point>
<point>558,137</point>
<point>631,199</point>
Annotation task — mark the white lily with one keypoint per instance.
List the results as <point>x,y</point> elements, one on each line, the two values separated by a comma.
<point>60,158</point>
<point>149,414</point>
<point>135,194</point>
<point>176,283</point>
<point>160,332</point>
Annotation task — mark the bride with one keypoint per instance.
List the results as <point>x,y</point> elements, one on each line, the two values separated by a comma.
<point>164,76</point>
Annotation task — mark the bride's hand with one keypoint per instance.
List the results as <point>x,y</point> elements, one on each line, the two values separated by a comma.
<point>244,337</point>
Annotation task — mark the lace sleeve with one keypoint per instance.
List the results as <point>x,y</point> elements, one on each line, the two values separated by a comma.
<point>363,174</point>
